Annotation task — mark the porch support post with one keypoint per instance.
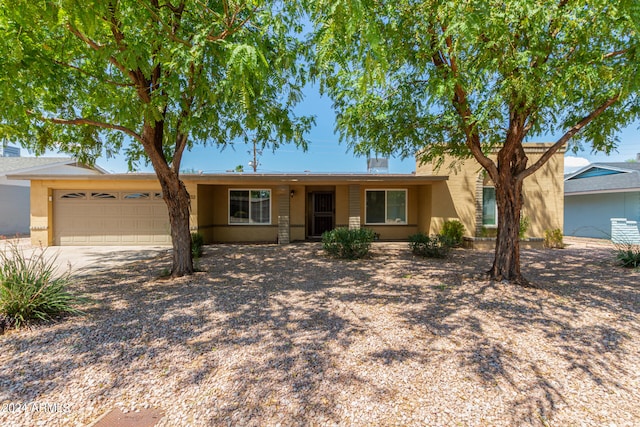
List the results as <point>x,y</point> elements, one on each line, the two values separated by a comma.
<point>354,206</point>
<point>284,236</point>
<point>478,203</point>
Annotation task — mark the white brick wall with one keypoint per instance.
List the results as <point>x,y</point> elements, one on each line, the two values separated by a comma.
<point>624,231</point>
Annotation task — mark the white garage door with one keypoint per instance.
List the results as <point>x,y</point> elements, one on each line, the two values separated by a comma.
<point>110,218</point>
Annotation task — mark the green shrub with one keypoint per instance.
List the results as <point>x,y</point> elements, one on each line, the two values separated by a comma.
<point>628,255</point>
<point>197,240</point>
<point>430,246</point>
<point>31,289</point>
<point>553,239</point>
<point>489,232</point>
<point>453,231</point>
<point>348,243</point>
<point>525,222</point>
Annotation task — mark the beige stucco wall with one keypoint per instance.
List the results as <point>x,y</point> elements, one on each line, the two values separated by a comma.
<point>214,214</point>
<point>297,212</point>
<point>544,196</point>
<point>456,198</point>
<point>42,200</point>
<point>213,207</point>
<point>210,206</point>
<point>425,207</point>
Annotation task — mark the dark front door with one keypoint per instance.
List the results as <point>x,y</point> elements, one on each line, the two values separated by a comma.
<point>322,212</point>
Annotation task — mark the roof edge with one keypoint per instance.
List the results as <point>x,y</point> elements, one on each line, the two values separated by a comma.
<point>599,166</point>
<point>240,177</point>
<point>62,161</point>
<point>602,191</point>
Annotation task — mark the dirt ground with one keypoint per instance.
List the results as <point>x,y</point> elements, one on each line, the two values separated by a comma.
<point>283,335</point>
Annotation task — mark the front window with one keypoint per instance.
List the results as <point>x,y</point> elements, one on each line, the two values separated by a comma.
<point>489,207</point>
<point>249,206</point>
<point>386,206</point>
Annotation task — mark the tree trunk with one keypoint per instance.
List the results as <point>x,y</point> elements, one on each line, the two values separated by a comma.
<point>175,196</point>
<point>178,203</point>
<point>506,263</point>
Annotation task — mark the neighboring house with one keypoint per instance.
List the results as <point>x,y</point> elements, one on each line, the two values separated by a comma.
<point>14,193</point>
<point>253,207</point>
<point>598,192</point>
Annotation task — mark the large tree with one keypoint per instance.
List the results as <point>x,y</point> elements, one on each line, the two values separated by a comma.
<point>152,78</point>
<point>463,78</point>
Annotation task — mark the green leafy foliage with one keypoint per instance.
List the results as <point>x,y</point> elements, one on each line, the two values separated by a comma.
<point>553,239</point>
<point>197,240</point>
<point>151,79</point>
<point>31,289</point>
<point>91,74</point>
<point>523,227</point>
<point>628,255</point>
<point>348,243</point>
<point>453,231</point>
<point>451,79</point>
<point>430,246</point>
<point>488,232</point>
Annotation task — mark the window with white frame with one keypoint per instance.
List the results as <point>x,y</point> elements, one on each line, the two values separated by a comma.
<point>386,206</point>
<point>249,206</point>
<point>489,207</point>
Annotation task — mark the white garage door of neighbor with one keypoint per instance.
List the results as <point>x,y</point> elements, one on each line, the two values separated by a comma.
<point>110,218</point>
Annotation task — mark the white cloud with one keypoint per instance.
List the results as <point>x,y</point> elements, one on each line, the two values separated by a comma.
<point>572,163</point>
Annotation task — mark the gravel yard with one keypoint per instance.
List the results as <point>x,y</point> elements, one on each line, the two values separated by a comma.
<point>282,335</point>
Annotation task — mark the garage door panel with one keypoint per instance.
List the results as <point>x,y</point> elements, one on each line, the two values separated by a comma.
<point>96,240</point>
<point>144,224</point>
<point>146,239</point>
<point>128,239</point>
<point>73,240</point>
<point>113,221</point>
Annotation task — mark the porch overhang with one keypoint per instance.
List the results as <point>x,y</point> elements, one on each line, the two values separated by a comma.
<point>253,178</point>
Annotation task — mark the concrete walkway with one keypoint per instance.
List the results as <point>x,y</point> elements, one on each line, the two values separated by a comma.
<point>87,259</point>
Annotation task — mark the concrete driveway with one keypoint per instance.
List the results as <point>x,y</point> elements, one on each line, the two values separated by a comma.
<point>89,259</point>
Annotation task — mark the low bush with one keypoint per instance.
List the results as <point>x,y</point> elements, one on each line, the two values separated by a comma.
<point>523,227</point>
<point>430,246</point>
<point>489,232</point>
<point>348,243</point>
<point>628,255</point>
<point>553,239</point>
<point>453,231</point>
<point>197,240</point>
<point>31,289</point>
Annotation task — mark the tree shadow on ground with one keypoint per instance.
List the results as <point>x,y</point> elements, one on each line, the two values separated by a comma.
<point>584,315</point>
<point>284,334</point>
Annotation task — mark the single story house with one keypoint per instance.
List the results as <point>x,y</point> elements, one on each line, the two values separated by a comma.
<point>468,195</point>
<point>120,209</point>
<point>598,192</point>
<point>14,193</point>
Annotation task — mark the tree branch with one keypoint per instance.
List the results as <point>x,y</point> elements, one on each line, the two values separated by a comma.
<point>136,75</point>
<point>181,143</point>
<point>98,47</point>
<point>616,53</point>
<point>553,32</point>
<point>230,21</point>
<point>461,105</point>
<point>88,122</point>
<point>566,137</point>
<point>93,44</point>
<point>171,31</point>
<point>86,73</point>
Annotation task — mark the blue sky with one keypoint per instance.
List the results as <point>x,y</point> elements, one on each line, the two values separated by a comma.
<point>325,154</point>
